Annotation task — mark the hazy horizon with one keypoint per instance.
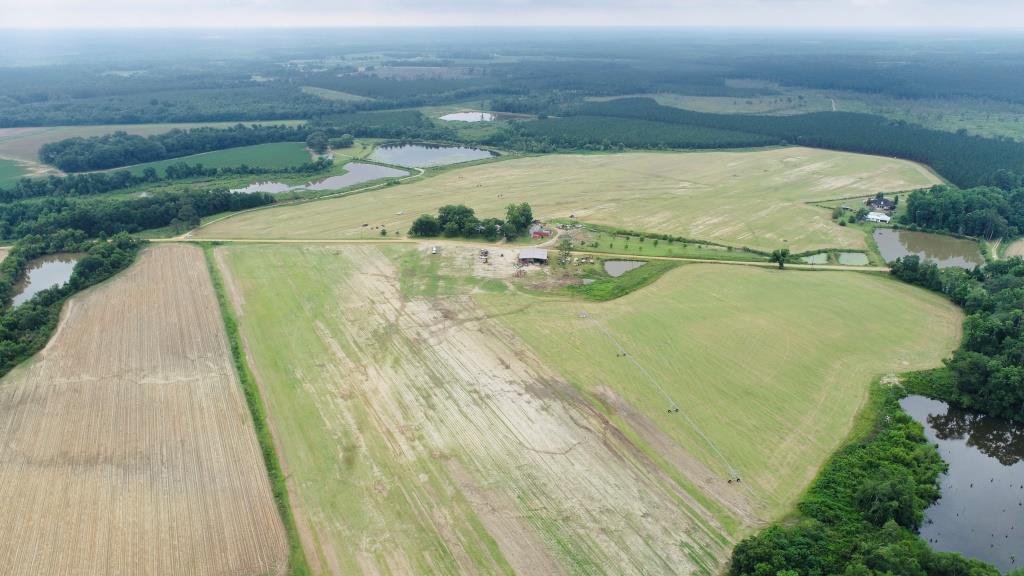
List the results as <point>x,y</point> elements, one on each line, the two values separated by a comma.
<point>753,14</point>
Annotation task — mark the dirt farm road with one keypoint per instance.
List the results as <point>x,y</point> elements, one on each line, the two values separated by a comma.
<point>473,244</point>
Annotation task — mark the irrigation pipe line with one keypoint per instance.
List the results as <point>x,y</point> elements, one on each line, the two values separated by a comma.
<point>673,407</point>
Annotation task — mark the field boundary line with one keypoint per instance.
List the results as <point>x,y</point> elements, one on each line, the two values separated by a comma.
<point>297,562</point>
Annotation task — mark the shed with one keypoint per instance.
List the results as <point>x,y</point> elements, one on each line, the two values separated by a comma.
<point>533,256</point>
<point>877,217</point>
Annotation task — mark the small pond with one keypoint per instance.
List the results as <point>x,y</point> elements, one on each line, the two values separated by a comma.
<point>426,155</point>
<point>616,268</point>
<point>468,117</point>
<point>981,513</point>
<point>815,258</point>
<point>853,258</point>
<point>42,273</point>
<point>945,251</point>
<point>356,173</point>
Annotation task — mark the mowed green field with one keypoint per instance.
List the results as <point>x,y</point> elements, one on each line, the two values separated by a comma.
<point>431,423</point>
<point>754,199</point>
<point>10,172</point>
<point>271,156</point>
<point>771,366</point>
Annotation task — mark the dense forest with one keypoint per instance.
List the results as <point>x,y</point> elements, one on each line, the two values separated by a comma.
<point>987,371</point>
<point>963,159</point>
<point>122,149</point>
<point>984,212</point>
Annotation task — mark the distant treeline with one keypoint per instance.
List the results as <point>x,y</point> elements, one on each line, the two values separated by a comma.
<point>610,133</point>
<point>107,216</point>
<point>25,329</point>
<point>397,124</point>
<point>102,182</point>
<point>123,149</point>
<point>987,371</point>
<point>963,159</point>
<point>861,515</point>
<point>984,212</point>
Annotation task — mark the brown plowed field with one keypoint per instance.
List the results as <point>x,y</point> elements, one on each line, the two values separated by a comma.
<point>126,446</point>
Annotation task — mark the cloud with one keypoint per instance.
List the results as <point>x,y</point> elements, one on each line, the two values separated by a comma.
<point>743,13</point>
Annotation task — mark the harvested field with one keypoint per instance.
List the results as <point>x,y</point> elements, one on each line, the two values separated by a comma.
<point>127,447</point>
<point>1016,248</point>
<point>755,199</point>
<point>421,437</point>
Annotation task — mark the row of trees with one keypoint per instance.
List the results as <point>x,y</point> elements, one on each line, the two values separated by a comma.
<point>984,212</point>
<point>987,370</point>
<point>122,149</point>
<point>94,183</point>
<point>460,220</point>
<point>99,215</point>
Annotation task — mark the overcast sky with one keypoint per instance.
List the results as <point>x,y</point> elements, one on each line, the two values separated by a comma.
<point>288,13</point>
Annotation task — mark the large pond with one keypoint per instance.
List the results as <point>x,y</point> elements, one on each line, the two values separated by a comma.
<point>42,273</point>
<point>356,173</point>
<point>616,268</point>
<point>981,513</point>
<point>426,155</point>
<point>945,251</point>
<point>468,117</point>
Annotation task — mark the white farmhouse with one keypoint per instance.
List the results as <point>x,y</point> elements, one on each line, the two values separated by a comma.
<point>877,217</point>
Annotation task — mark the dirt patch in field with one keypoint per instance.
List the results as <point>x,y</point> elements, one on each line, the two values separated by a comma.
<point>127,447</point>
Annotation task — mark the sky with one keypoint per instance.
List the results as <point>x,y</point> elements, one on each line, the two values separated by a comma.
<point>926,14</point>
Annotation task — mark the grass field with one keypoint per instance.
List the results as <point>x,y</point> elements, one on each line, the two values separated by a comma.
<point>753,199</point>
<point>127,445</point>
<point>10,172</point>
<point>272,156</point>
<point>24,143</point>
<point>771,366</point>
<point>432,423</point>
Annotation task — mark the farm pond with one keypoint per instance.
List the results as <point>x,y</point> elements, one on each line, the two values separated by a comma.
<point>427,155</point>
<point>42,273</point>
<point>981,513</point>
<point>944,251</point>
<point>616,268</point>
<point>356,173</point>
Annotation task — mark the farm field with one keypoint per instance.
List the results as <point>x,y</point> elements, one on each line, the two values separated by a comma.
<point>1016,248</point>
<point>24,143</point>
<point>754,199</point>
<point>771,366</point>
<point>10,172</point>
<point>127,444</point>
<point>273,156</point>
<point>430,421</point>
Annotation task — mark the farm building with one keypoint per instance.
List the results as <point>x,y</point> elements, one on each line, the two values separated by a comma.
<point>533,256</point>
<point>877,217</point>
<point>882,204</point>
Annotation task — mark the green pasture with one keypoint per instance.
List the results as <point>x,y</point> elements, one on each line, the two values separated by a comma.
<point>273,156</point>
